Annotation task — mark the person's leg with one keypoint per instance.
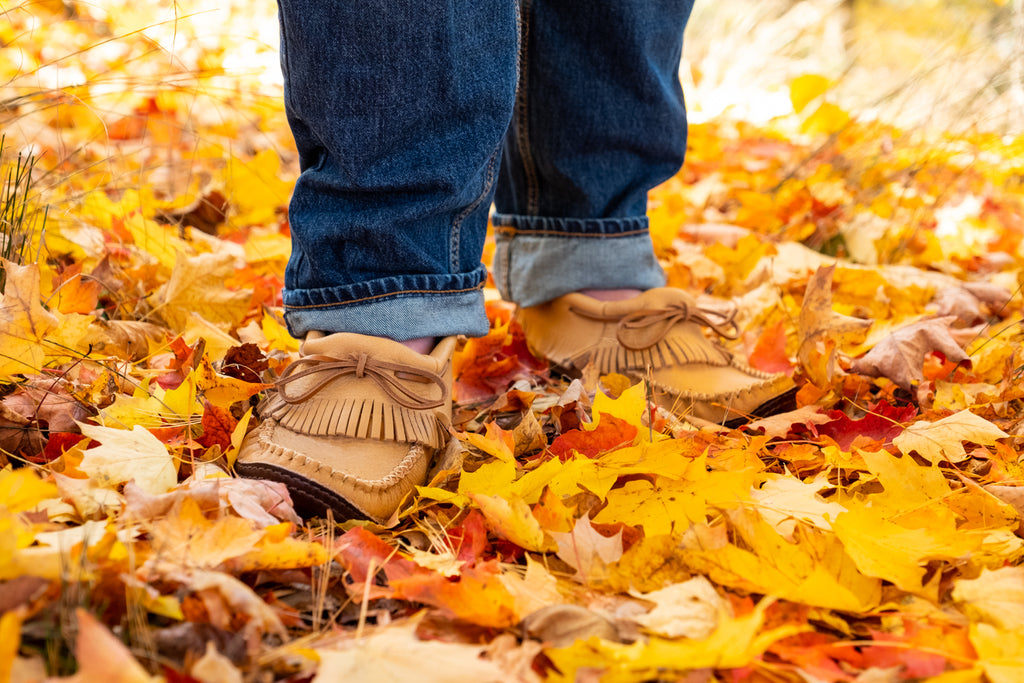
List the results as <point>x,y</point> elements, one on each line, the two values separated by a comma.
<point>398,108</point>
<point>599,121</point>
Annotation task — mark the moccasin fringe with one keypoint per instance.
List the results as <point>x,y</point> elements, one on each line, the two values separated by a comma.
<point>358,419</point>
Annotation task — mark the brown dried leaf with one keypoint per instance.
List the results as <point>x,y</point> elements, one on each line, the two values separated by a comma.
<point>562,625</point>
<point>50,405</point>
<point>900,356</point>
<point>18,435</point>
<point>822,330</point>
<point>128,339</point>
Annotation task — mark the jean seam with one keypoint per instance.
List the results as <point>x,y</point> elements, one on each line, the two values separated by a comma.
<point>513,232</point>
<point>523,118</point>
<point>454,261</point>
<point>381,296</point>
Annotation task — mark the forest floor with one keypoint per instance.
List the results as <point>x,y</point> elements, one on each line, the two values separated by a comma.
<point>858,195</point>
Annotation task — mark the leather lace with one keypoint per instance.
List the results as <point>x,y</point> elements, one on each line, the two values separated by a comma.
<point>387,376</point>
<point>660,320</point>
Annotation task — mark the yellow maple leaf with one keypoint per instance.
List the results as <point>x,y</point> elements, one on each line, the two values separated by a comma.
<point>24,489</point>
<point>124,455</point>
<point>511,518</point>
<point>943,439</point>
<point>24,323</point>
<point>196,287</point>
<point>736,642</point>
<point>907,483</point>
<point>1000,652</point>
<point>255,188</point>
<point>659,510</point>
<point>813,570</point>
<point>186,538</point>
<point>884,549</point>
<point>278,549</point>
<point>737,263</point>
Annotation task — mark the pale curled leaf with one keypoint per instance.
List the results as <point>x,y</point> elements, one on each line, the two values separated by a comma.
<point>586,550</point>
<point>395,653</point>
<point>778,426</point>
<point>689,609</point>
<point>996,597</point>
<point>943,439</point>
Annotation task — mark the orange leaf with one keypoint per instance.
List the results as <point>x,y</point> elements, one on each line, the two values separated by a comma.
<point>477,595</point>
<point>610,433</point>
<point>72,293</point>
<point>769,352</point>
<point>218,424</point>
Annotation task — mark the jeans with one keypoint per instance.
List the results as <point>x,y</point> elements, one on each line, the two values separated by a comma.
<point>413,117</point>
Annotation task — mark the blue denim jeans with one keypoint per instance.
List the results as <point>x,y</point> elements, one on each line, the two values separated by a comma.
<point>413,117</point>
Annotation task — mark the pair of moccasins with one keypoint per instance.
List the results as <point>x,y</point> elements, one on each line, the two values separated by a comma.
<point>354,425</point>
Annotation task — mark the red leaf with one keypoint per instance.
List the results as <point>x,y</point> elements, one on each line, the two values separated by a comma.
<point>882,423</point>
<point>469,538</point>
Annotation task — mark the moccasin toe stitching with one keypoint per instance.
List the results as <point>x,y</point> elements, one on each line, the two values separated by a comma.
<point>353,425</point>
<point>656,336</point>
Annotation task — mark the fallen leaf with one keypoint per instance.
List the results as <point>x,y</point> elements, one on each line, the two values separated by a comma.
<point>785,500</point>
<point>734,643</point>
<point>942,440</point>
<point>511,519</point>
<point>562,625</point>
<point>996,597</point>
<point>394,653</point>
<point>587,551</point>
<point>779,426</point>
<point>101,657</point>
<point>881,424</point>
<point>24,323</point>
<point>124,455</point>
<point>900,356</point>
<point>689,609</point>
<point>823,331</point>
<point>196,287</point>
<point>213,667</point>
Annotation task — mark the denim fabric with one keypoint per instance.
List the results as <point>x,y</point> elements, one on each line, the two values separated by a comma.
<point>407,118</point>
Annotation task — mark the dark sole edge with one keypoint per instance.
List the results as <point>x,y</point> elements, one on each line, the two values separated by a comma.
<point>309,498</point>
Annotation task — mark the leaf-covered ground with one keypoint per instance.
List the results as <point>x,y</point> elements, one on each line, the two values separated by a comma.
<point>873,534</point>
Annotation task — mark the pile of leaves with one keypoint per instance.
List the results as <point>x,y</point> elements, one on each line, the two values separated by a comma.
<point>872,534</point>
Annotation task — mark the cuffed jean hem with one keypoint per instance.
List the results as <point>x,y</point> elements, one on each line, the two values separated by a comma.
<point>422,308</point>
<point>539,258</point>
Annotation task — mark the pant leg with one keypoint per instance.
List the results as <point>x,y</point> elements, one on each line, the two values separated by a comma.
<point>398,109</point>
<point>599,121</point>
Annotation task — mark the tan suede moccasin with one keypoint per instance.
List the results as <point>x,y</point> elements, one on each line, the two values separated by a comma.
<point>657,335</point>
<point>353,424</point>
